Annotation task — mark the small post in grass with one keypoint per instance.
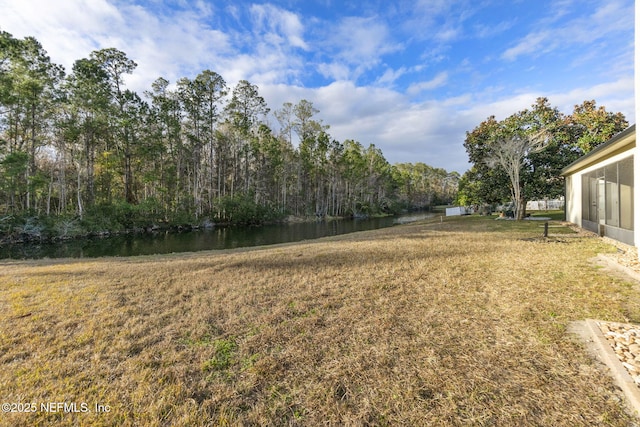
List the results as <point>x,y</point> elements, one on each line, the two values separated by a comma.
<point>546,228</point>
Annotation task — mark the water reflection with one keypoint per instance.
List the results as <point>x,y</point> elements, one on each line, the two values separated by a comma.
<point>192,241</point>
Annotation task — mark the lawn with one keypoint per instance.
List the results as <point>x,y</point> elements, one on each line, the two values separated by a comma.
<point>455,321</point>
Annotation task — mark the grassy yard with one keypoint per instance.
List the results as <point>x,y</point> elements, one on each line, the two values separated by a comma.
<point>460,322</point>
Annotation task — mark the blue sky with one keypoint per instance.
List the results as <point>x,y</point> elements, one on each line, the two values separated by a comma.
<point>410,77</point>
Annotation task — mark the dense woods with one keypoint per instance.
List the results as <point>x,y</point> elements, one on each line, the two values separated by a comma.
<point>82,153</point>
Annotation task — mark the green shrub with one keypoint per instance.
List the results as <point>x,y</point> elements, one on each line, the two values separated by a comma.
<point>242,209</point>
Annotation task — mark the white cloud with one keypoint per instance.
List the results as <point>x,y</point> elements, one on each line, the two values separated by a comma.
<point>448,33</point>
<point>390,76</point>
<point>161,45</point>
<point>62,27</point>
<point>486,31</point>
<point>439,80</point>
<point>615,96</point>
<point>278,25</point>
<point>342,102</point>
<point>440,21</point>
<point>608,18</point>
<point>537,43</point>
<point>432,131</point>
<point>334,70</point>
<point>406,132</point>
<point>360,40</point>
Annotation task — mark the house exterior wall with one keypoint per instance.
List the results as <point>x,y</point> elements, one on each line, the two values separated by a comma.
<point>573,197</point>
<point>636,156</point>
<point>636,198</point>
<point>575,204</point>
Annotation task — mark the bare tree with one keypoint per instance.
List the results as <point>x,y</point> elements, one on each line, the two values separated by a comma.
<point>510,154</point>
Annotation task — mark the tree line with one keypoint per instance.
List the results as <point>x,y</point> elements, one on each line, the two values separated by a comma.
<point>521,157</point>
<point>80,152</point>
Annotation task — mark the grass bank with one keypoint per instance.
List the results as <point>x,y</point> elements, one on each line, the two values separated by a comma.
<point>459,322</point>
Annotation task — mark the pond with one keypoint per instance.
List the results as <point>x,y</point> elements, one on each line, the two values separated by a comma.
<point>200,240</point>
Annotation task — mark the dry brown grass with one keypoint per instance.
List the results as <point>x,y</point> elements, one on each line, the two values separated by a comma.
<point>455,323</point>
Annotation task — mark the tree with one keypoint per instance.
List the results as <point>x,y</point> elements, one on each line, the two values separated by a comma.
<point>304,125</point>
<point>285,118</point>
<point>12,179</point>
<point>313,146</point>
<point>86,120</point>
<point>483,184</point>
<point>539,172</point>
<point>593,125</point>
<point>166,140</point>
<point>353,167</point>
<point>201,100</point>
<point>9,50</point>
<point>542,171</point>
<point>133,118</point>
<point>28,94</point>
<point>93,148</point>
<point>377,178</point>
<point>115,64</point>
<point>418,185</point>
<point>511,153</point>
<point>214,88</point>
<point>245,111</point>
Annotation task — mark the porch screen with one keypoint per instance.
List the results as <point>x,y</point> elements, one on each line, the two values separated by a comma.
<point>625,183</point>
<point>607,194</point>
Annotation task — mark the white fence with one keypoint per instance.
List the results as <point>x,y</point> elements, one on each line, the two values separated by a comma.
<point>534,205</point>
<point>545,205</point>
<point>457,210</point>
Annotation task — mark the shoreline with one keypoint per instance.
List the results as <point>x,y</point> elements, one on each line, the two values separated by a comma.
<point>26,239</point>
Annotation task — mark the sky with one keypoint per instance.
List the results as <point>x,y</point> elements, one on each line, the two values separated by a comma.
<point>410,76</point>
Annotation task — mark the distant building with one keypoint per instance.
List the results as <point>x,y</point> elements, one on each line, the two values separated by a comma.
<point>600,189</point>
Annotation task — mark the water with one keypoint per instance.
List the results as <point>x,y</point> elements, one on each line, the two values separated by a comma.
<point>200,240</point>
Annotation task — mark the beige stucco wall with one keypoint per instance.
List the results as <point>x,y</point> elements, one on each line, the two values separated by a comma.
<point>573,199</point>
